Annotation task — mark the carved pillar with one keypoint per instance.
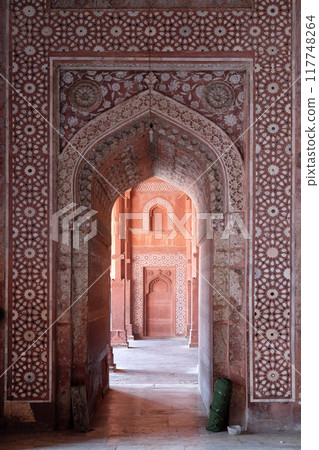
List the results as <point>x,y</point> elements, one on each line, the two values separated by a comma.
<point>128,272</point>
<point>193,337</point>
<point>220,305</point>
<point>229,311</point>
<point>237,370</point>
<point>118,332</point>
<point>188,306</point>
<point>189,226</point>
<point>63,336</point>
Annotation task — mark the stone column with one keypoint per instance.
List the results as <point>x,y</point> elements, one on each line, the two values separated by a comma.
<point>193,338</point>
<point>128,272</point>
<point>237,370</point>
<point>118,332</point>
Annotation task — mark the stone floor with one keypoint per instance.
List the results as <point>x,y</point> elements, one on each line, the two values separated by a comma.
<point>154,404</point>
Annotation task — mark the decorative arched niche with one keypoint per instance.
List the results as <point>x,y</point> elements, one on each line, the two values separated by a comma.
<point>160,206</point>
<point>157,218</point>
<point>159,303</point>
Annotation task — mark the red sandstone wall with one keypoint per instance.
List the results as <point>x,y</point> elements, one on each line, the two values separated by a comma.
<point>98,307</point>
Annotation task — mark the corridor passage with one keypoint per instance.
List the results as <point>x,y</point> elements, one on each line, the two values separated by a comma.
<point>154,393</point>
<point>153,403</point>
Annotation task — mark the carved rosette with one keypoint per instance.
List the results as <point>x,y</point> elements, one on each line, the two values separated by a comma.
<point>219,96</point>
<point>85,95</point>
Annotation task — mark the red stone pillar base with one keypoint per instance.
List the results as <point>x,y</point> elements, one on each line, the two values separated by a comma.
<point>193,339</point>
<point>119,338</point>
<point>129,332</point>
<point>110,361</point>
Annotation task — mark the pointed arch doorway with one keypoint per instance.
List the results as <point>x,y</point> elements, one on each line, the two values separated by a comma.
<point>159,302</point>
<point>121,154</point>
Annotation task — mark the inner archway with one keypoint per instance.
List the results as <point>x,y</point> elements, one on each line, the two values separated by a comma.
<point>192,153</point>
<point>155,280</point>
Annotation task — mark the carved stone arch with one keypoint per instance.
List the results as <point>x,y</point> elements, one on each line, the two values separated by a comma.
<point>166,108</point>
<point>73,276</point>
<point>172,138</point>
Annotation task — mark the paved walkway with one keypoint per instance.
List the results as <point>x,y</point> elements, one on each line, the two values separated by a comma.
<point>153,403</point>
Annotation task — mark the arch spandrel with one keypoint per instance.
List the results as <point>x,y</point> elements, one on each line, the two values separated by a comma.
<point>183,117</point>
<point>170,139</point>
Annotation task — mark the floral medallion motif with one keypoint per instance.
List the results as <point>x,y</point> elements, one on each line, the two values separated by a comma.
<point>219,96</point>
<point>85,95</point>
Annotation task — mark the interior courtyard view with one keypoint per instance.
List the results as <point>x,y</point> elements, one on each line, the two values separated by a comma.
<point>150,224</point>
